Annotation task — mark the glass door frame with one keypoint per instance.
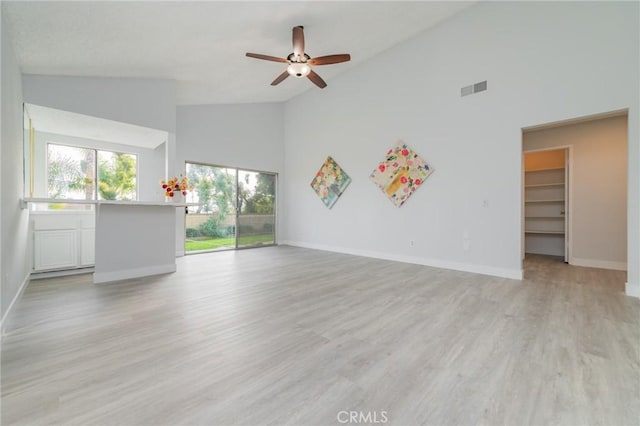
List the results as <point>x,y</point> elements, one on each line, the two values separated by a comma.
<point>275,207</point>
<point>236,209</point>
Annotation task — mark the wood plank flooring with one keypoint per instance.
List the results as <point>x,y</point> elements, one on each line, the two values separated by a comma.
<point>283,335</point>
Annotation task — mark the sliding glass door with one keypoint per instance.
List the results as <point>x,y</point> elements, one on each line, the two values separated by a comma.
<point>211,225</point>
<point>235,208</point>
<point>256,208</point>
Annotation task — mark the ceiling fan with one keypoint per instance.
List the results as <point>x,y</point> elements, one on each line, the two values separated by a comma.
<point>300,63</point>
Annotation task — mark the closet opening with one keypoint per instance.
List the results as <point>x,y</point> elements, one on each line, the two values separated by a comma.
<point>574,192</point>
<point>546,202</point>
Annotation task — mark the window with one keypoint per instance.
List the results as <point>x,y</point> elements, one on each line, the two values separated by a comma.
<point>88,174</point>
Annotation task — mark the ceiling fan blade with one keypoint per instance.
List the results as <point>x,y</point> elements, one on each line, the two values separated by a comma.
<point>266,57</point>
<point>317,80</point>
<point>330,59</point>
<point>298,40</point>
<point>280,78</point>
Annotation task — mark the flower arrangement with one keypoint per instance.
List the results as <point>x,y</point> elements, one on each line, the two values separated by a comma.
<point>176,184</point>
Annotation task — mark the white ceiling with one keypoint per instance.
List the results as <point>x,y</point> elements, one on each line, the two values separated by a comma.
<point>50,120</point>
<point>202,44</point>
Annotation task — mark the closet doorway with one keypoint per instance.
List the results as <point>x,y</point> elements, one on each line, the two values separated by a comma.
<point>235,208</point>
<point>575,190</point>
<point>546,202</point>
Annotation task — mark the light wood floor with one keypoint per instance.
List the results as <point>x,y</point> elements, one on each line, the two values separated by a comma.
<point>284,335</point>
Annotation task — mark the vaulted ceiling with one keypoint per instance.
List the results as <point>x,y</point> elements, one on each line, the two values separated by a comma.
<point>202,44</point>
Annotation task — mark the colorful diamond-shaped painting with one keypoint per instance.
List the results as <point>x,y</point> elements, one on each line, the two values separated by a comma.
<point>400,173</point>
<point>330,182</point>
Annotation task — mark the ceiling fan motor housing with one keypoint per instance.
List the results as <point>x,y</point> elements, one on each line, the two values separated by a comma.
<point>299,63</point>
<point>301,59</point>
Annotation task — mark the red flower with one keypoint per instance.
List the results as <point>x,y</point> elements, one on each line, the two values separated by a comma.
<point>417,181</point>
<point>168,189</point>
<point>171,194</point>
<point>381,167</point>
<point>389,152</point>
<point>405,152</point>
<point>184,193</point>
<point>403,179</point>
<point>164,186</point>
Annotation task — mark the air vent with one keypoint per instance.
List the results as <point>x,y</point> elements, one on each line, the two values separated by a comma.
<point>473,88</point>
<point>479,87</point>
<point>467,90</point>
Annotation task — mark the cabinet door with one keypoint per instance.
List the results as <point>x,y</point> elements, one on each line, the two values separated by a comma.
<point>55,249</point>
<point>87,247</point>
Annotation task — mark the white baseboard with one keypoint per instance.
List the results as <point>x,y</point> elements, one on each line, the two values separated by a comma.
<point>15,299</point>
<point>61,273</point>
<point>125,274</point>
<point>632,290</point>
<point>515,274</point>
<point>595,263</point>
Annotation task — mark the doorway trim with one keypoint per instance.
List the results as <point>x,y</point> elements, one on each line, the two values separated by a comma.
<point>632,286</point>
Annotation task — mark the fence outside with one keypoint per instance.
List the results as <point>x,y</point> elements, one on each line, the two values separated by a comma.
<point>252,223</point>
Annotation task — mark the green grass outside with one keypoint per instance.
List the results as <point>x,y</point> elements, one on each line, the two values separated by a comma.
<point>219,243</point>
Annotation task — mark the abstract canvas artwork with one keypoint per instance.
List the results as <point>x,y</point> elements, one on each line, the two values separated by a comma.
<point>330,182</point>
<point>400,173</point>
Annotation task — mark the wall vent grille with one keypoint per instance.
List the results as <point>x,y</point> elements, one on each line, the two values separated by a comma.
<point>473,88</point>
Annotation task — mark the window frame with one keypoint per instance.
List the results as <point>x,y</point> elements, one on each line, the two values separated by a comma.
<point>95,196</point>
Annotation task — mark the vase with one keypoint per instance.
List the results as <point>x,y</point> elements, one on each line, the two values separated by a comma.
<point>177,198</point>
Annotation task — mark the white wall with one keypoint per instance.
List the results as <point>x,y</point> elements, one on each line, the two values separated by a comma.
<point>14,221</point>
<point>249,136</point>
<point>598,191</point>
<point>150,163</point>
<point>544,62</point>
<point>145,102</point>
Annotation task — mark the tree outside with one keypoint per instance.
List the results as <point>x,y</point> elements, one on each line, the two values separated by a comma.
<point>116,176</point>
<point>262,199</point>
<point>71,173</point>
<point>67,173</point>
<point>213,189</point>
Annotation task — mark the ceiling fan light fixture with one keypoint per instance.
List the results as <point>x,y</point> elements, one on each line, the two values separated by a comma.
<point>298,69</point>
<point>299,63</point>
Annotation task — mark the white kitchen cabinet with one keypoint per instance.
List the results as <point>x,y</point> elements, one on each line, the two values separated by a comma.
<point>62,240</point>
<point>55,249</point>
